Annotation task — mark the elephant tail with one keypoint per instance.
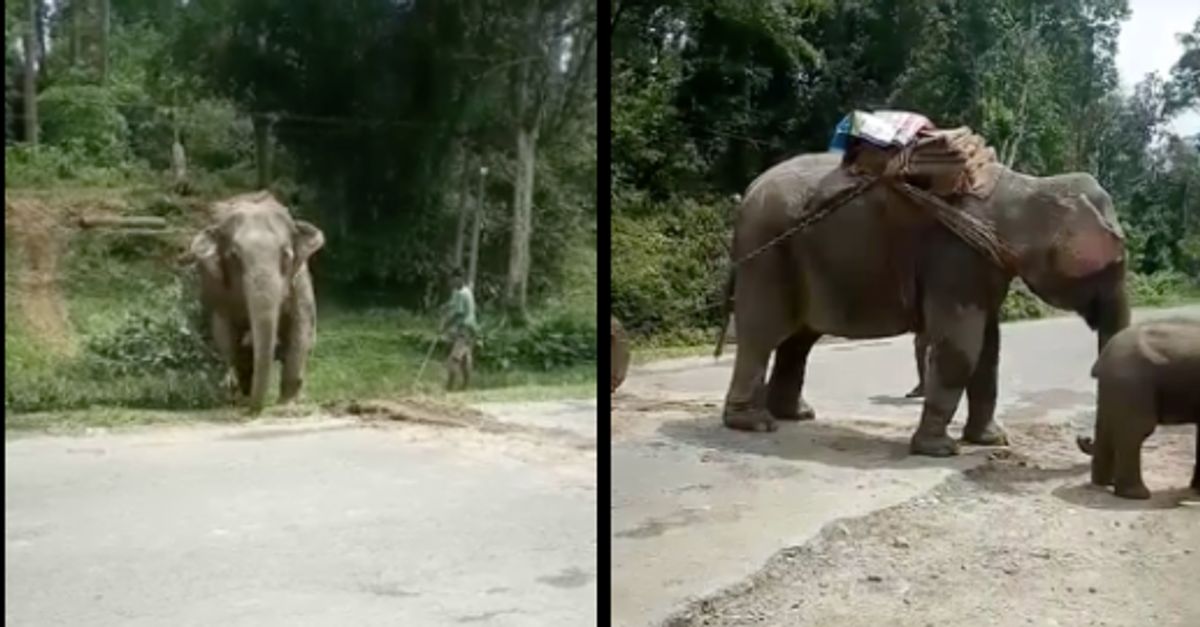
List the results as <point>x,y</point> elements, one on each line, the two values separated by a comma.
<point>726,299</point>
<point>1085,444</point>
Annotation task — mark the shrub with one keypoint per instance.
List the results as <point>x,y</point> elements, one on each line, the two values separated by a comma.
<point>86,118</point>
<point>1022,304</point>
<point>1159,288</point>
<point>552,341</point>
<point>668,269</point>
<point>163,335</point>
<point>45,165</point>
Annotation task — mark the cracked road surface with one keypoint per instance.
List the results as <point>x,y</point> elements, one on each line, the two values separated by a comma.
<point>319,522</point>
<point>832,522</point>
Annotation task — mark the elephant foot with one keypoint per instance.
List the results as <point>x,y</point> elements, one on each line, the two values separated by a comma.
<point>990,435</point>
<point>933,445</point>
<point>1139,492</point>
<point>289,392</point>
<point>756,420</point>
<point>802,411</point>
<point>916,392</point>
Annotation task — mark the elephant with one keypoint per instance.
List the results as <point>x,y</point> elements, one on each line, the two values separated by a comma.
<point>1149,374</point>
<point>920,350</point>
<point>881,266</point>
<point>257,293</point>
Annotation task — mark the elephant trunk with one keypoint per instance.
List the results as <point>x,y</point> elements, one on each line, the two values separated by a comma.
<point>1112,315</point>
<point>263,299</point>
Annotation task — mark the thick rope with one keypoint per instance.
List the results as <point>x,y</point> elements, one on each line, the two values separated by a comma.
<point>808,219</point>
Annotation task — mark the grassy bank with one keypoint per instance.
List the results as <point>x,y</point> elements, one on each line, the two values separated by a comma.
<point>104,330</point>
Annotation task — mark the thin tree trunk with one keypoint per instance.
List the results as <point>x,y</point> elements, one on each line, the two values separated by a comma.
<point>178,160</point>
<point>104,26</point>
<point>41,22</point>
<point>476,229</point>
<point>30,87</point>
<point>464,208</point>
<point>262,147</point>
<point>76,9</point>
<point>522,226</point>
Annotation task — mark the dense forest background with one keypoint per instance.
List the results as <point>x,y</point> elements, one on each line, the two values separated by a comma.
<point>375,116</point>
<point>419,136</point>
<point>709,93</point>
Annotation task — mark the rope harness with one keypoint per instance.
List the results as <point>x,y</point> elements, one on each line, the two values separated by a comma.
<point>895,173</point>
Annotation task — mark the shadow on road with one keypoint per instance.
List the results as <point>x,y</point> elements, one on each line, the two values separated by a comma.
<point>1091,496</point>
<point>896,401</point>
<point>824,442</point>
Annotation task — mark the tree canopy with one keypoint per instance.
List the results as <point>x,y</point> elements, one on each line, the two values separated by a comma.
<point>707,94</point>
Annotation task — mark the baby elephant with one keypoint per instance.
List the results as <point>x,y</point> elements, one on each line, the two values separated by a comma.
<point>1148,374</point>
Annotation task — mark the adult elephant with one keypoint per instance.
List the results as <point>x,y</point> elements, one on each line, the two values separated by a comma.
<point>880,265</point>
<point>256,288</point>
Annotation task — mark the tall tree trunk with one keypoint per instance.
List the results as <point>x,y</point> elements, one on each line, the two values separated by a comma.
<point>516,287</point>
<point>464,207</point>
<point>476,229</point>
<point>262,149</point>
<point>104,26</point>
<point>76,8</point>
<point>42,24</point>
<point>31,65</point>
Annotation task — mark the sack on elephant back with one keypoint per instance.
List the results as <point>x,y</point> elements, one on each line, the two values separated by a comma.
<point>906,146</point>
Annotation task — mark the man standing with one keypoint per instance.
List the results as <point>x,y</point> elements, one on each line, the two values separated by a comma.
<point>460,326</point>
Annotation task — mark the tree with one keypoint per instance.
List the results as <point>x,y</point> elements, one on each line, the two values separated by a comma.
<point>553,47</point>
<point>1184,87</point>
<point>29,94</point>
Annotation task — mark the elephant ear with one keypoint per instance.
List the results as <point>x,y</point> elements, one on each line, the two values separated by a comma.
<point>204,251</point>
<point>1086,241</point>
<point>307,240</point>
<point>1059,240</point>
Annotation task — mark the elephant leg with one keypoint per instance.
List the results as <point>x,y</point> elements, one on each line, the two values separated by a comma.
<point>224,337</point>
<point>291,380</point>
<point>920,350</point>
<point>295,352</point>
<point>1127,469</point>
<point>244,369</point>
<point>785,392</point>
<point>956,336</point>
<point>1103,454</point>
<point>743,403</point>
<point>982,427</point>
<point>1128,412</point>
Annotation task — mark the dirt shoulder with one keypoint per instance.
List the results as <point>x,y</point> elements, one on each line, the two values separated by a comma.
<point>1020,540</point>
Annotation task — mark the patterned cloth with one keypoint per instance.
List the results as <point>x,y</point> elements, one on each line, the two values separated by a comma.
<point>882,128</point>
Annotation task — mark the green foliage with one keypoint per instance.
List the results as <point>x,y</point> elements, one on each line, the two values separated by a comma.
<point>705,99</point>
<point>1022,304</point>
<point>552,341</point>
<point>1162,288</point>
<point>45,166</point>
<point>85,119</point>
<point>165,334</point>
<point>668,266</point>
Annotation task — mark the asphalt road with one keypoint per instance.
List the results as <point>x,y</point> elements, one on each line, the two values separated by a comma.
<point>319,523</point>
<point>698,508</point>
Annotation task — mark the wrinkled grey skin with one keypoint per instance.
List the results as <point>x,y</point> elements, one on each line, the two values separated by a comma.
<point>842,277</point>
<point>256,288</point>
<point>1149,374</point>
